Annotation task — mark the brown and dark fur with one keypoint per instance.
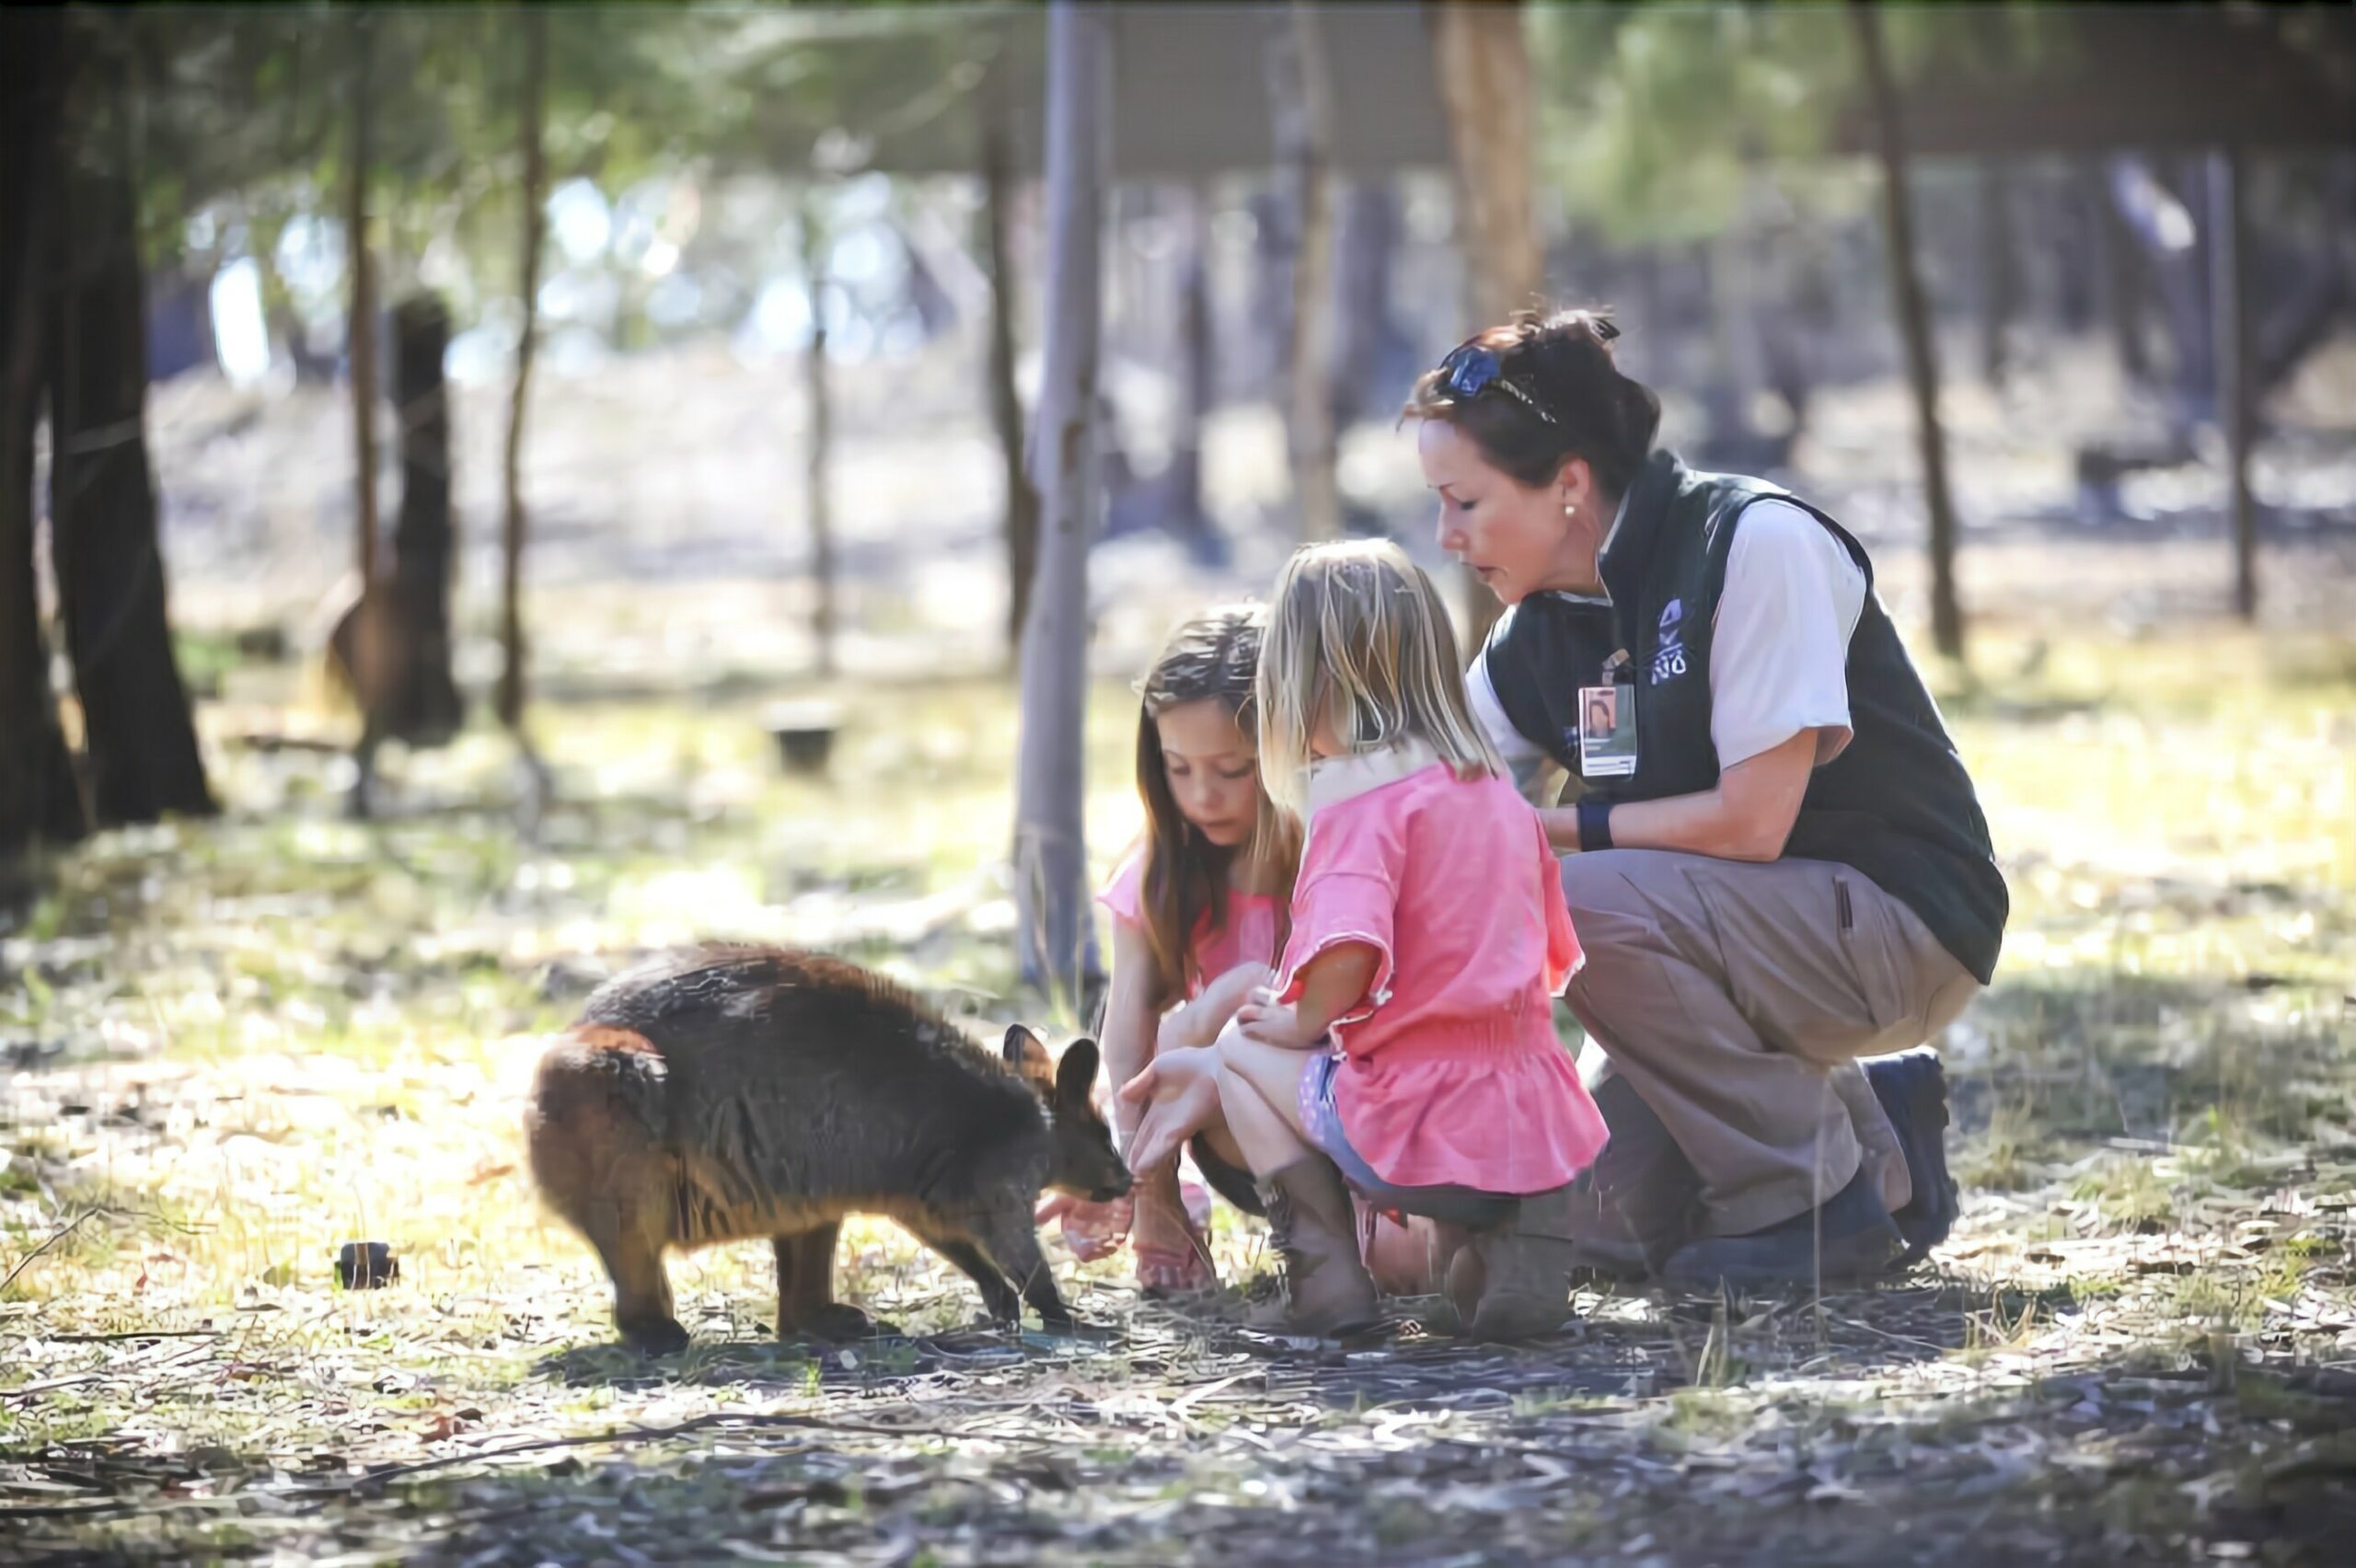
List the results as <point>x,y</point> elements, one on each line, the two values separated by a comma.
<point>729,1093</point>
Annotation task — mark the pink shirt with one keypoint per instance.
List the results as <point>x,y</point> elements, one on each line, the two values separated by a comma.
<point>1248,934</point>
<point>1451,1071</point>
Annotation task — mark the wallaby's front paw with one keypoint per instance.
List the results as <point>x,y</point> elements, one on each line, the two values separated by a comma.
<point>841,1322</point>
<point>658,1336</point>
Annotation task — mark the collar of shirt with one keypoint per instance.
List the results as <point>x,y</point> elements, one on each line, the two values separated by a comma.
<point>1338,779</point>
<point>1619,516</point>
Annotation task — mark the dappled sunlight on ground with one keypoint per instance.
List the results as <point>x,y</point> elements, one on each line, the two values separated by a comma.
<point>233,1047</point>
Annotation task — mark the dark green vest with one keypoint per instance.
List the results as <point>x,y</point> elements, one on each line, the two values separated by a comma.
<point>1896,804</point>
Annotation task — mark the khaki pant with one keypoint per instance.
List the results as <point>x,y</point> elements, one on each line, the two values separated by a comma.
<point>1734,1001</point>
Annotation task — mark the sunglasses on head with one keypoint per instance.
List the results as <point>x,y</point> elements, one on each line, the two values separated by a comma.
<point>1470,370</point>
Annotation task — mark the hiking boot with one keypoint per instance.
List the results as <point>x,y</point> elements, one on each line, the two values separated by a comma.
<point>1849,1237</point>
<point>1912,1089</point>
<point>1314,1230</point>
<point>1517,1274</point>
<point>1603,1242</point>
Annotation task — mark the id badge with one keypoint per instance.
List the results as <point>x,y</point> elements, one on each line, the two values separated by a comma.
<point>1607,732</point>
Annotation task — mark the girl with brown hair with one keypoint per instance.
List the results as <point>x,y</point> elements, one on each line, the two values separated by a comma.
<point>1197,919</point>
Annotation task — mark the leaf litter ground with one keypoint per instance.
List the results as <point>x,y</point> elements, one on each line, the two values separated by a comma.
<point>232,1047</point>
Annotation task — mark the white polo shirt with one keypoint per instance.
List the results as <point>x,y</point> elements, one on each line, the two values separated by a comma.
<point>1778,657</point>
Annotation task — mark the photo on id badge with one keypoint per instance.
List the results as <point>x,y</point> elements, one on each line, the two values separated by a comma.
<point>1607,732</point>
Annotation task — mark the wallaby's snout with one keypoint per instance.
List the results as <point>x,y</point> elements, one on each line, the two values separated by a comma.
<point>1086,1163</point>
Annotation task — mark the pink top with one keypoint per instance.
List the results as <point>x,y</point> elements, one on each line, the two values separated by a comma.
<point>1248,934</point>
<point>1451,1071</point>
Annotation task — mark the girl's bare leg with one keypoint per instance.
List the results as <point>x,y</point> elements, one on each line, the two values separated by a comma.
<point>1259,1091</point>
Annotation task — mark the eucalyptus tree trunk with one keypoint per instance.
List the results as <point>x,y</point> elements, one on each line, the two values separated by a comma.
<point>1050,850</point>
<point>818,438</point>
<point>40,800</point>
<point>1914,329</point>
<point>1005,399</point>
<point>1301,102</point>
<point>426,708</point>
<point>531,116</point>
<point>1482,57</point>
<point>2230,310</point>
<point>139,743</point>
<point>360,330</point>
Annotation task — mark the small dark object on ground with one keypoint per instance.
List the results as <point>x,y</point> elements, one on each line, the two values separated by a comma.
<point>367,1265</point>
<point>29,1053</point>
<point>264,644</point>
<point>804,733</point>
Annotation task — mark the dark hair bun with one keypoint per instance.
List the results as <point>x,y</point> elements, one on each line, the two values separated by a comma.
<point>1564,362</point>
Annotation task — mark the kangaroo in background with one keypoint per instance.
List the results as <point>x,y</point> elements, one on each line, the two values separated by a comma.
<point>731,1093</point>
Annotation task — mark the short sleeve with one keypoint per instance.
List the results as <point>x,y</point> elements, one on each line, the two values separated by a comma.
<point>1348,891</point>
<point>1122,894</point>
<point>1525,763</point>
<point>1779,655</point>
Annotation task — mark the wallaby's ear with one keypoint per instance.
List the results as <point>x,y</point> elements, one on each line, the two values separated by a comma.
<point>1027,1056</point>
<point>1076,1074</point>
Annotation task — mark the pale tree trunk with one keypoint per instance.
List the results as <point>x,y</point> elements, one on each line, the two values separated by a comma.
<point>1734,364</point>
<point>1482,57</point>
<point>1300,99</point>
<point>361,333</point>
<point>2229,310</point>
<point>1914,327</point>
<point>1366,254</point>
<point>2164,232</point>
<point>818,438</point>
<point>1049,847</point>
<point>1185,502</point>
<point>531,115</point>
<point>1005,400</point>
<point>1999,271</point>
<point>2116,278</point>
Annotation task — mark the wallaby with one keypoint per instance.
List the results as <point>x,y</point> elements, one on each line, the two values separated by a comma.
<point>399,676</point>
<point>732,1092</point>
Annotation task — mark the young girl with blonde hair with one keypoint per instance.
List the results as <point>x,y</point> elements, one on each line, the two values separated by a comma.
<point>1405,1047</point>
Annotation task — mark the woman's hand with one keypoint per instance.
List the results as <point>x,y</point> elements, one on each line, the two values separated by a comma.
<point>1178,1096</point>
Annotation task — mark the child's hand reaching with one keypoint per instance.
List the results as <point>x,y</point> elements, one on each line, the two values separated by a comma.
<point>1093,1230</point>
<point>1263,1019</point>
<point>1179,1091</point>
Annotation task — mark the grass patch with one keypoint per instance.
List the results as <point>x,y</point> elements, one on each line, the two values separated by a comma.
<point>282,1032</point>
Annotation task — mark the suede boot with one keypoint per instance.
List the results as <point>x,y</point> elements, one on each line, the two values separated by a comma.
<point>1518,1274</point>
<point>1327,1289</point>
